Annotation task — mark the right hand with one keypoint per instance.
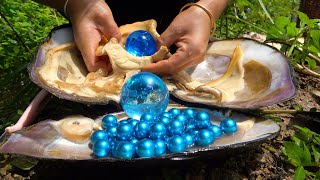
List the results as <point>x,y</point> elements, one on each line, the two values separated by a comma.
<point>91,20</point>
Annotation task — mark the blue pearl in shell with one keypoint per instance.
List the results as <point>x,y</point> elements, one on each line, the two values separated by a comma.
<point>182,118</point>
<point>176,144</point>
<point>202,120</point>
<point>175,127</point>
<point>228,126</point>
<point>101,148</point>
<point>141,130</point>
<point>108,120</point>
<point>98,135</point>
<point>165,120</point>
<point>189,112</point>
<point>145,148</point>
<point>124,131</point>
<point>111,130</point>
<point>125,150</point>
<point>141,43</point>
<point>148,117</point>
<point>144,93</point>
<point>204,138</point>
<point>217,133</point>
<point>174,112</point>
<point>189,140</point>
<point>157,131</point>
<point>160,147</point>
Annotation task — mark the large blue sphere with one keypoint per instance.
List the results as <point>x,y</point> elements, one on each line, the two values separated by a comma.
<point>204,138</point>
<point>125,150</point>
<point>160,147</point>
<point>228,126</point>
<point>124,131</point>
<point>144,93</point>
<point>141,43</point>
<point>98,135</point>
<point>141,130</point>
<point>101,148</point>
<point>175,127</point>
<point>158,130</point>
<point>148,117</point>
<point>176,144</point>
<point>145,148</point>
<point>109,120</point>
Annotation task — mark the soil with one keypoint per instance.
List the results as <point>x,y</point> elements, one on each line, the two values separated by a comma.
<point>263,160</point>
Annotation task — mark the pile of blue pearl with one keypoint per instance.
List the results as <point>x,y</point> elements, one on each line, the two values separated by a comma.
<point>173,131</point>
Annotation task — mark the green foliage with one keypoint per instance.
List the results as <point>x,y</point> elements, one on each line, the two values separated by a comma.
<point>303,152</point>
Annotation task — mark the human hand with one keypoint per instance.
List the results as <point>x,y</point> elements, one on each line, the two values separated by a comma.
<point>189,31</point>
<point>91,19</point>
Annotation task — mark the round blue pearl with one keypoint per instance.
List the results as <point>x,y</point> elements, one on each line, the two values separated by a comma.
<point>124,131</point>
<point>133,122</point>
<point>175,127</point>
<point>145,148</point>
<point>111,130</point>
<point>174,112</point>
<point>125,150</point>
<point>144,93</point>
<point>189,112</point>
<point>228,126</point>
<point>141,130</point>
<point>176,144</point>
<point>215,130</point>
<point>165,120</point>
<point>160,147</point>
<point>98,135</point>
<point>101,148</point>
<point>147,117</point>
<point>141,43</point>
<point>204,138</point>
<point>109,120</point>
<point>158,130</point>
<point>202,120</point>
<point>189,140</point>
<point>182,118</point>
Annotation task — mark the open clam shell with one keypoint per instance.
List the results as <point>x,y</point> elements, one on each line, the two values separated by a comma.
<point>47,140</point>
<point>239,73</point>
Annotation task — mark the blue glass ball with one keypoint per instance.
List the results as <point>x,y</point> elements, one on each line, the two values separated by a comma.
<point>189,113</point>
<point>176,144</point>
<point>202,120</point>
<point>141,130</point>
<point>228,126</point>
<point>98,135</point>
<point>182,118</point>
<point>217,133</point>
<point>174,112</point>
<point>124,131</point>
<point>189,139</point>
<point>141,43</point>
<point>111,130</point>
<point>109,120</point>
<point>101,148</point>
<point>157,130</point>
<point>144,93</point>
<point>160,147</point>
<point>125,150</point>
<point>165,120</point>
<point>204,137</point>
<point>175,127</point>
<point>145,148</point>
<point>148,117</point>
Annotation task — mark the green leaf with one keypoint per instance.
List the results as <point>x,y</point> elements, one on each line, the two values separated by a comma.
<point>316,140</point>
<point>24,163</point>
<point>300,173</point>
<point>312,64</point>
<point>303,133</point>
<point>306,155</point>
<point>294,153</point>
<point>292,31</point>
<point>281,22</point>
<point>303,17</point>
<point>316,154</point>
<point>315,36</point>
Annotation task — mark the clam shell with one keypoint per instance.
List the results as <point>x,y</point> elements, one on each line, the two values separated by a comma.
<point>44,140</point>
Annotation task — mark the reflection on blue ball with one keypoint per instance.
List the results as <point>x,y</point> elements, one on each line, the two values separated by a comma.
<point>98,135</point>
<point>165,120</point>
<point>109,120</point>
<point>148,117</point>
<point>111,130</point>
<point>101,148</point>
<point>202,120</point>
<point>133,122</point>
<point>145,148</point>
<point>141,130</point>
<point>175,127</point>
<point>125,150</point>
<point>174,112</point>
<point>176,144</point>
<point>215,130</point>
<point>204,138</point>
<point>158,130</point>
<point>189,140</point>
<point>182,118</point>
<point>160,147</point>
<point>141,43</point>
<point>189,113</point>
<point>228,126</point>
<point>124,131</point>
<point>144,93</point>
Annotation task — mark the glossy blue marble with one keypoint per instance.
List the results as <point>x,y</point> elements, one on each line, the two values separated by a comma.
<point>108,120</point>
<point>176,144</point>
<point>141,43</point>
<point>165,120</point>
<point>125,150</point>
<point>111,130</point>
<point>133,122</point>
<point>124,131</point>
<point>204,138</point>
<point>101,148</point>
<point>182,118</point>
<point>217,133</point>
<point>175,127</point>
<point>202,120</point>
<point>98,135</point>
<point>148,117</point>
<point>160,147</point>
<point>157,131</point>
<point>145,148</point>
<point>189,139</point>
<point>144,93</point>
<point>228,126</point>
<point>174,112</point>
<point>141,130</point>
<point>189,113</point>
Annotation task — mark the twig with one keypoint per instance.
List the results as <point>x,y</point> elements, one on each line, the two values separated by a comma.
<point>287,111</point>
<point>306,70</point>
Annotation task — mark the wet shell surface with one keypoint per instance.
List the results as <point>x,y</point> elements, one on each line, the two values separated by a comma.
<point>68,138</point>
<point>239,73</point>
